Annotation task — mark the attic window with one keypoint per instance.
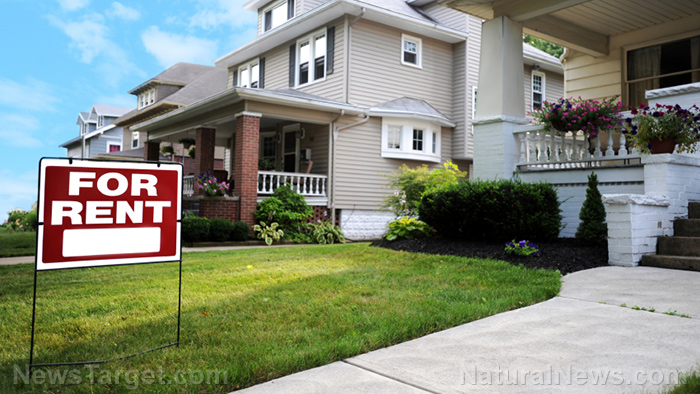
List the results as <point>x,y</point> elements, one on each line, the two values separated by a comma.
<point>411,50</point>
<point>277,14</point>
<point>146,98</point>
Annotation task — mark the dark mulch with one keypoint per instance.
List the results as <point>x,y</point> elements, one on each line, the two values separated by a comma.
<point>565,254</point>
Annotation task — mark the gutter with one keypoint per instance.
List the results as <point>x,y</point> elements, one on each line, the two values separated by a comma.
<point>331,165</point>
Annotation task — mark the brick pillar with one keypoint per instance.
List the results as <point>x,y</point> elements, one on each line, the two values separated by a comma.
<point>151,150</point>
<point>204,150</point>
<point>245,172</point>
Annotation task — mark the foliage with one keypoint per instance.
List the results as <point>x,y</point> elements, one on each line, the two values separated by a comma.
<point>590,116</point>
<point>240,232</point>
<point>17,244</point>
<point>167,149</point>
<point>553,49</point>
<point>191,152</point>
<point>664,122</point>
<point>407,228</point>
<point>286,207</point>
<point>325,233</point>
<point>268,233</point>
<point>592,228</point>
<point>211,185</point>
<point>195,229</point>
<point>493,209</point>
<point>411,183</point>
<point>523,248</point>
<point>187,142</point>
<point>19,220</point>
<point>220,230</point>
<point>265,164</point>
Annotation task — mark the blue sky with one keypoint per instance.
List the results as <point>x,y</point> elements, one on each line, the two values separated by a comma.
<point>61,56</point>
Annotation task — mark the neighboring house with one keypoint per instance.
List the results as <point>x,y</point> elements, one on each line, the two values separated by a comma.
<point>97,132</point>
<point>646,52</point>
<point>337,94</point>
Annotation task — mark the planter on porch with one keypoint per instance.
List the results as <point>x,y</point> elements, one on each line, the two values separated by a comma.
<point>662,146</point>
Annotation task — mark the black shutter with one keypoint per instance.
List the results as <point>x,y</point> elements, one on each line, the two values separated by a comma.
<point>261,79</point>
<point>235,77</point>
<point>330,50</point>
<point>290,9</point>
<point>292,59</point>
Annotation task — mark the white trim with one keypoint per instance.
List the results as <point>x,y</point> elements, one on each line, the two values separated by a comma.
<point>137,139</point>
<point>430,131</point>
<point>271,7</point>
<point>311,38</point>
<point>248,68</point>
<point>119,144</point>
<point>419,50</point>
<point>246,113</point>
<point>475,90</point>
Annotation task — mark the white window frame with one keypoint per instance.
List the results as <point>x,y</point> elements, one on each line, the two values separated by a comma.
<point>419,50</point>
<point>311,38</point>
<point>146,98</point>
<point>119,144</point>
<point>532,87</point>
<point>134,138</point>
<point>248,69</point>
<point>400,130</point>
<point>431,132</point>
<point>271,8</point>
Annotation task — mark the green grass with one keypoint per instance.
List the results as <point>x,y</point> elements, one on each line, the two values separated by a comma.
<point>689,384</point>
<point>253,315</point>
<point>17,244</point>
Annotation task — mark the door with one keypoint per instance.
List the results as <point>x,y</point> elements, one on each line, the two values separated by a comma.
<point>291,151</point>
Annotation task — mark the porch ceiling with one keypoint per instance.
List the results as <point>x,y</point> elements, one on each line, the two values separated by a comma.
<point>585,25</point>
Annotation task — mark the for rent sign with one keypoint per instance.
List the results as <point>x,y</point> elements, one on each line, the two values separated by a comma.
<point>94,213</point>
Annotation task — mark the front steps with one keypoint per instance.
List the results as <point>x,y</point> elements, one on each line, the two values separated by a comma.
<point>682,251</point>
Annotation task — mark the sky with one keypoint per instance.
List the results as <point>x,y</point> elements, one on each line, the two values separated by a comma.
<point>59,57</point>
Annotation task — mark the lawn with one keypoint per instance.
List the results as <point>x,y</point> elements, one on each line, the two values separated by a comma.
<point>248,315</point>
<point>17,244</point>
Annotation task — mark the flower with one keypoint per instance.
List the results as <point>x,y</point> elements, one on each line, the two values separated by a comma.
<point>664,122</point>
<point>590,116</point>
<point>211,185</point>
<point>522,248</point>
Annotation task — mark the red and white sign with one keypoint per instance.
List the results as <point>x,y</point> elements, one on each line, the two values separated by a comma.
<point>107,213</point>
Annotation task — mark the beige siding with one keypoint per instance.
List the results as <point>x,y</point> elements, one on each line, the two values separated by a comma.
<point>316,139</point>
<point>377,75</point>
<point>459,102</point>
<point>359,167</point>
<point>307,5</point>
<point>553,86</point>
<point>448,16</point>
<point>473,54</point>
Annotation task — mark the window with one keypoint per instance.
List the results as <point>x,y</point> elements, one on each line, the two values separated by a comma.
<point>394,137</point>
<point>411,139</point>
<point>312,59</point>
<point>146,98</point>
<point>537,89</point>
<point>417,139</point>
<point>411,49</point>
<point>248,75</point>
<point>661,66</point>
<point>113,147</point>
<point>277,14</point>
<point>433,149</point>
<point>474,94</point>
<point>268,146</point>
<point>134,139</point>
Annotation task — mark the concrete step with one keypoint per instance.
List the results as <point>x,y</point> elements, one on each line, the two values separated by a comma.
<point>694,210</point>
<point>673,262</point>
<point>686,227</point>
<point>679,246</point>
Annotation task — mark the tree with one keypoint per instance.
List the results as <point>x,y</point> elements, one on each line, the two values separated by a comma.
<point>553,49</point>
<point>593,228</point>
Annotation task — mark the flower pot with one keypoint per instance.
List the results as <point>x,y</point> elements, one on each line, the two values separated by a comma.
<point>662,146</point>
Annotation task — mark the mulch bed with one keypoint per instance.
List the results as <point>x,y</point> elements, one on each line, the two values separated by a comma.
<point>565,254</point>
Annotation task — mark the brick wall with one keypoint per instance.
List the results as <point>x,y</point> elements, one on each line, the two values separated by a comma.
<point>245,174</point>
<point>151,151</point>
<point>219,208</point>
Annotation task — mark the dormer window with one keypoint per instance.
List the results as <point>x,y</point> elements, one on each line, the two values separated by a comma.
<point>146,98</point>
<point>277,14</point>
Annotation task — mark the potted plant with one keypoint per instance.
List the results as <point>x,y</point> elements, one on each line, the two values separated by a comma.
<point>662,128</point>
<point>191,152</point>
<point>265,164</point>
<point>186,142</point>
<point>589,116</point>
<point>210,185</point>
<point>167,150</point>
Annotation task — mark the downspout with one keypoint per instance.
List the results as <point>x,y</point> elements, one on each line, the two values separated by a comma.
<point>334,137</point>
<point>348,39</point>
<point>330,189</point>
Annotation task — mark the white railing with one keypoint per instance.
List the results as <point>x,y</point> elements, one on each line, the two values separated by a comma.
<point>188,185</point>
<point>308,185</point>
<point>538,149</point>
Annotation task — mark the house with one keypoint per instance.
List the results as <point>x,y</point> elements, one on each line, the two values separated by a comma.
<point>645,52</point>
<point>335,95</point>
<point>176,87</point>
<point>97,132</point>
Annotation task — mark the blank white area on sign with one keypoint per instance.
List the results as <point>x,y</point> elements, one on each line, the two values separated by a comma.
<point>108,241</point>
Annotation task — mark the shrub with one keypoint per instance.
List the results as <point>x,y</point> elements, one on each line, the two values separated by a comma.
<point>522,248</point>
<point>240,232</point>
<point>493,209</point>
<point>326,233</point>
<point>592,228</point>
<point>411,183</point>
<point>268,233</point>
<point>407,228</point>
<point>220,229</point>
<point>15,214</point>
<point>195,229</point>
<point>285,207</point>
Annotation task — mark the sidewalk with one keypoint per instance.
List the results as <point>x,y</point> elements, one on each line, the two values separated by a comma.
<point>583,341</point>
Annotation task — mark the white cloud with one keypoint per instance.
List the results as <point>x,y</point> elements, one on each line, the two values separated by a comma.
<point>228,13</point>
<point>17,130</point>
<point>17,191</point>
<point>119,10</point>
<point>170,48</point>
<point>34,95</point>
<point>72,5</point>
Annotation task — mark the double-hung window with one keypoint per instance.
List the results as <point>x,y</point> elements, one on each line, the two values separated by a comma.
<point>134,139</point>
<point>249,75</point>
<point>312,58</point>
<point>410,139</point>
<point>418,140</point>
<point>394,137</point>
<point>277,14</point>
<point>537,89</point>
<point>411,50</point>
<point>147,98</point>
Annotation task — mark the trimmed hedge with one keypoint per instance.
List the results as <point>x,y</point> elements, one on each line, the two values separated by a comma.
<point>197,229</point>
<point>240,232</point>
<point>220,229</point>
<point>493,210</point>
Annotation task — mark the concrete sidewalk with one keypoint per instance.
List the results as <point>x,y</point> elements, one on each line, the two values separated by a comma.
<point>583,341</point>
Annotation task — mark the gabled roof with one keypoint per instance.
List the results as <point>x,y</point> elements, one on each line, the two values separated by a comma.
<point>406,107</point>
<point>85,117</point>
<point>532,56</point>
<point>130,155</point>
<point>69,142</point>
<point>109,110</point>
<point>179,74</point>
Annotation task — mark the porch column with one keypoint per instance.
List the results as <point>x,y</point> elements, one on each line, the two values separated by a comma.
<point>151,150</point>
<point>245,167</point>
<point>500,103</point>
<point>205,139</point>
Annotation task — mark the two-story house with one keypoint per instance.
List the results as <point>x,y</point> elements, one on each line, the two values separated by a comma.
<point>97,132</point>
<point>334,95</point>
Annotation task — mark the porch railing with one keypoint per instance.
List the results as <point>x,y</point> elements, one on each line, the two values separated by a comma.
<point>308,185</point>
<point>188,185</point>
<point>538,149</point>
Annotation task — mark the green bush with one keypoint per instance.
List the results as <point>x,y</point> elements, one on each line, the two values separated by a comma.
<point>493,210</point>
<point>407,228</point>
<point>325,233</point>
<point>241,231</point>
<point>592,228</point>
<point>285,207</point>
<point>195,229</point>
<point>220,229</point>
<point>15,214</point>
<point>269,233</point>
